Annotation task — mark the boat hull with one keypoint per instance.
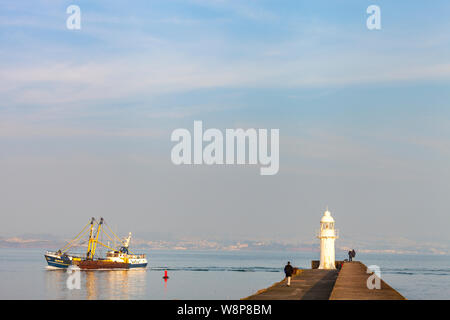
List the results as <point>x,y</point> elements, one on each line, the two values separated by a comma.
<point>138,265</point>
<point>65,262</point>
<point>99,264</point>
<point>58,262</point>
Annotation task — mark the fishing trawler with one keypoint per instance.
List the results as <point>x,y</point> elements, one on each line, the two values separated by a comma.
<point>117,257</point>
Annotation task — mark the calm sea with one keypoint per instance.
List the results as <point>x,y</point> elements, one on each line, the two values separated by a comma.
<point>205,275</point>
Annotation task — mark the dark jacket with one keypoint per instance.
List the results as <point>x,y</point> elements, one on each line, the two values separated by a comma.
<point>288,270</point>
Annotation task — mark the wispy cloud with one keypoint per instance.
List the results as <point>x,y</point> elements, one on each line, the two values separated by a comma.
<point>59,83</point>
<point>123,56</point>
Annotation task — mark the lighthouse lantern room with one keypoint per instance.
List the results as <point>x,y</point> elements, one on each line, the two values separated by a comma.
<point>327,235</point>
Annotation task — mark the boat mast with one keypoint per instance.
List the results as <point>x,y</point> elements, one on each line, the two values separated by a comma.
<point>94,241</point>
<point>88,254</point>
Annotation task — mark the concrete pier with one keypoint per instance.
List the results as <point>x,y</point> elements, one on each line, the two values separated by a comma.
<point>350,283</point>
<point>311,284</point>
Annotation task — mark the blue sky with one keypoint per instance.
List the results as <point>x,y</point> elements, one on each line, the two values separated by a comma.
<point>363,115</point>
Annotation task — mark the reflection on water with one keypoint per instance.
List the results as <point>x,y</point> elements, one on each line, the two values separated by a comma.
<point>98,284</point>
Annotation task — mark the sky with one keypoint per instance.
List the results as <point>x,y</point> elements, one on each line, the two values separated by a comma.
<point>364,118</point>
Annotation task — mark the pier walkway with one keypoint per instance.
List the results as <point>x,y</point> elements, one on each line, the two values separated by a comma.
<point>310,284</point>
<point>350,283</point>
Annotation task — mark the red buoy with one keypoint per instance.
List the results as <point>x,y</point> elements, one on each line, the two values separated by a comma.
<point>165,275</point>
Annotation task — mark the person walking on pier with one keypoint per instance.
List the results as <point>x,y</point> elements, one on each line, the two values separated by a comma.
<point>288,270</point>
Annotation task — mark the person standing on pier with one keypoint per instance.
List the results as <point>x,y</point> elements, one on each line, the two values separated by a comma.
<point>288,270</point>
<point>351,254</point>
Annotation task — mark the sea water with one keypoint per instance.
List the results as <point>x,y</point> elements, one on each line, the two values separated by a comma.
<point>205,275</point>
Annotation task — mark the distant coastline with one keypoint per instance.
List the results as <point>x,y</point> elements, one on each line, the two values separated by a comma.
<point>45,241</point>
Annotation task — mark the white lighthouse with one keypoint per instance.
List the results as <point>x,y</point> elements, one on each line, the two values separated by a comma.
<point>327,235</point>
